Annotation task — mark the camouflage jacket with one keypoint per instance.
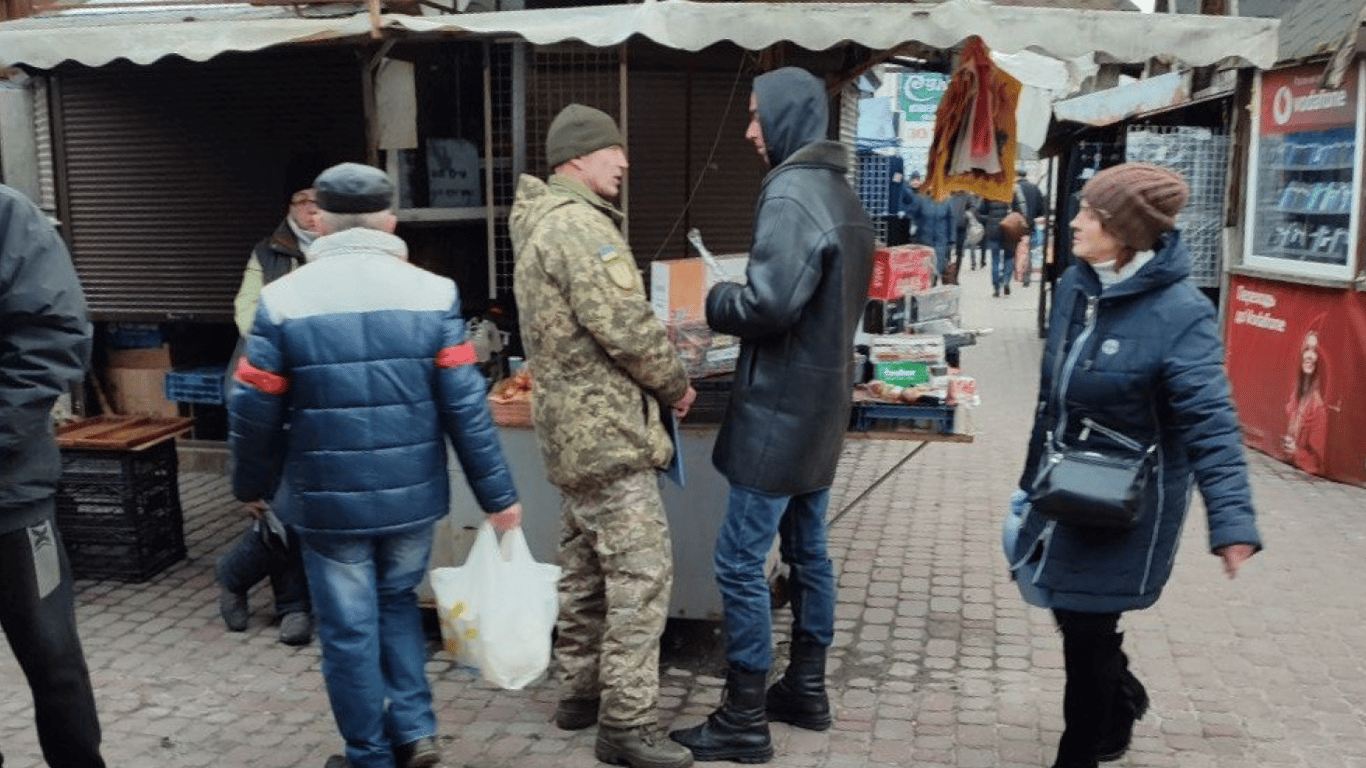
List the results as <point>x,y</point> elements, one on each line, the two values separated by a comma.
<point>601,361</point>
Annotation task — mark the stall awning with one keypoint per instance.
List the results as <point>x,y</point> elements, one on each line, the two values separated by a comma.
<point>1062,33</point>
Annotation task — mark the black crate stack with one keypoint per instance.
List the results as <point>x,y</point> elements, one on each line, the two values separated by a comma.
<point>119,512</point>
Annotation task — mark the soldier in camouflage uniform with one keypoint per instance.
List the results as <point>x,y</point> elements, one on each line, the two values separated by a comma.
<point>603,369</point>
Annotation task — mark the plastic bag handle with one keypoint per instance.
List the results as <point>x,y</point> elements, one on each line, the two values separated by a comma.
<point>513,547</point>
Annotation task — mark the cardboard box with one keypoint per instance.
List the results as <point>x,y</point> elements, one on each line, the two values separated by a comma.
<point>899,270</point>
<point>933,304</point>
<point>906,361</point>
<point>139,391</point>
<point>678,287</point>
<point>903,373</point>
<point>136,379</point>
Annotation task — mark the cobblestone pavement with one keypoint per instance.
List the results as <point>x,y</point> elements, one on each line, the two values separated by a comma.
<point>936,662</point>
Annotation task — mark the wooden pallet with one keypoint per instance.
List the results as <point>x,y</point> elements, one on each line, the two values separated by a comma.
<point>121,433</point>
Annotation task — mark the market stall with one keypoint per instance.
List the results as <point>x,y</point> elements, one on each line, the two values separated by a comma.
<point>1296,313</point>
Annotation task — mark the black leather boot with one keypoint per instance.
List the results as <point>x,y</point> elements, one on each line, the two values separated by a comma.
<point>738,731</point>
<point>1088,696</point>
<point>1130,704</point>
<point>799,696</point>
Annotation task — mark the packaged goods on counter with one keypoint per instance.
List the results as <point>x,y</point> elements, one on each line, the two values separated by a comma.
<point>933,304</point>
<point>899,270</point>
<point>885,316</point>
<point>962,397</point>
<point>703,351</point>
<point>906,360</point>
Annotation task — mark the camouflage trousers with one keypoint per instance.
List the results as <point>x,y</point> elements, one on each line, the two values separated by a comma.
<point>617,572</point>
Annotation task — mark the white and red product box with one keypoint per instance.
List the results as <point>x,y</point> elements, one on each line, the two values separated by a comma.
<point>899,270</point>
<point>906,361</point>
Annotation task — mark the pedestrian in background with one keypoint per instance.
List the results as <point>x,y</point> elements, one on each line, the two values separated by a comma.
<point>268,548</point>
<point>934,226</point>
<point>900,202</point>
<point>365,357</point>
<point>606,377</point>
<point>45,340</point>
<point>999,243</point>
<point>1133,358</point>
<point>1032,203</point>
<point>810,260</point>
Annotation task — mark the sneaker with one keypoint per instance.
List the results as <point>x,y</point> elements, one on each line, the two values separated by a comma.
<point>640,747</point>
<point>419,753</point>
<point>233,607</point>
<point>576,714</point>
<point>296,628</point>
<point>1007,289</point>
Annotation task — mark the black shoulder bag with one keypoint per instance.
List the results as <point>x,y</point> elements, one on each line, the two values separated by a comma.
<point>1092,488</point>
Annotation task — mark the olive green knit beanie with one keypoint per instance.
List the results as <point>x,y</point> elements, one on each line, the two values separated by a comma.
<point>579,131</point>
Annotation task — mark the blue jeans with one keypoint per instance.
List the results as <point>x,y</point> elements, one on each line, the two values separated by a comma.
<point>254,557</point>
<point>373,646</point>
<point>1002,265</point>
<point>742,547</point>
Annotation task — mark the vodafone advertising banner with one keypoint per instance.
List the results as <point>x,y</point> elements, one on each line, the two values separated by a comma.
<point>1297,364</point>
<point>1292,101</point>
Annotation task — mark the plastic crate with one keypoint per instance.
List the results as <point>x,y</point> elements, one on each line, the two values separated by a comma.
<point>196,385</point>
<point>892,417</point>
<point>119,512</point>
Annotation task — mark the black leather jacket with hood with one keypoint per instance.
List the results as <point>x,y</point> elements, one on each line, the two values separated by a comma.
<point>807,283</point>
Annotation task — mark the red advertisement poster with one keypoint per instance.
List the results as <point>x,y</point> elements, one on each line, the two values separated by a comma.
<point>1292,101</point>
<point>1297,364</point>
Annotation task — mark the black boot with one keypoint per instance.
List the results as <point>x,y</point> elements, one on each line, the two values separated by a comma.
<point>799,696</point>
<point>1089,658</point>
<point>1130,704</point>
<point>738,731</point>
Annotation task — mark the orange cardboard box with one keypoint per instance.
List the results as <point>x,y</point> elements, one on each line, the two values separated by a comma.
<point>678,287</point>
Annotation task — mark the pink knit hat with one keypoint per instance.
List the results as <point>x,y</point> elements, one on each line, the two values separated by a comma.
<point>1137,201</point>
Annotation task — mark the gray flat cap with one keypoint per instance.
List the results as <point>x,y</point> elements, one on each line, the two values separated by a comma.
<point>353,188</point>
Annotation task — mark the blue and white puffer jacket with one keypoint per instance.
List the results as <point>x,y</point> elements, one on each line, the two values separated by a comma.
<point>363,357</point>
<point>1137,364</point>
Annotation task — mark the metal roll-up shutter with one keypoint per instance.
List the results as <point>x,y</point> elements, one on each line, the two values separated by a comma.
<point>170,173</point>
<point>659,180</point>
<point>701,172</point>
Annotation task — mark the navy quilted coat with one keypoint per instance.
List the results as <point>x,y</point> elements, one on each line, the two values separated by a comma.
<point>1142,362</point>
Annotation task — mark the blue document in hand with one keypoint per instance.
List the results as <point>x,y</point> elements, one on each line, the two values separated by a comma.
<point>675,469</point>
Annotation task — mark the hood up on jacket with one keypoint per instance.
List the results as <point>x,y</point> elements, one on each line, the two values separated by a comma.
<point>793,111</point>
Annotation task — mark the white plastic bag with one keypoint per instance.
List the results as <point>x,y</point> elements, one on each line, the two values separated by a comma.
<point>497,610</point>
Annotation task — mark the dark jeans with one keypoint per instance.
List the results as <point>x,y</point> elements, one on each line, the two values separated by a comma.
<point>253,558</point>
<point>752,520</point>
<point>38,615</point>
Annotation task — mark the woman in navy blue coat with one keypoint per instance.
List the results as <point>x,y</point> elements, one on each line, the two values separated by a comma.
<point>1133,358</point>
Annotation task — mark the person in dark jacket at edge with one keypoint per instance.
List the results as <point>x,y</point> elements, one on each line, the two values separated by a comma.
<point>807,283</point>
<point>365,356</point>
<point>45,339</point>
<point>1133,359</point>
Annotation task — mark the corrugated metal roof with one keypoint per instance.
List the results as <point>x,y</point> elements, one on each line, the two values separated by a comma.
<point>1316,27</point>
<point>682,25</point>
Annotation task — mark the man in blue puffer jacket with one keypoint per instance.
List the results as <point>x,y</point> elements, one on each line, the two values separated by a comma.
<point>365,357</point>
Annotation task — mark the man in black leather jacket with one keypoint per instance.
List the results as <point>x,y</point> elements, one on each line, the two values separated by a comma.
<point>807,282</point>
